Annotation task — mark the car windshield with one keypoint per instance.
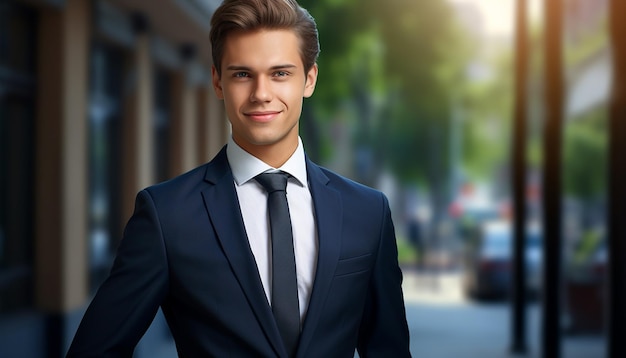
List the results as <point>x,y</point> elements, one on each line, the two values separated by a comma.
<point>498,242</point>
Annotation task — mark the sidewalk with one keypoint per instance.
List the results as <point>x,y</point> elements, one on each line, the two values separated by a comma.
<point>443,324</point>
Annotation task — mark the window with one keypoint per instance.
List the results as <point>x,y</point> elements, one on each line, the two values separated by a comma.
<point>105,169</point>
<point>17,102</point>
<point>162,112</point>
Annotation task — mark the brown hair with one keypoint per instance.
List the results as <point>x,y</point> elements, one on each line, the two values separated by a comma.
<point>251,15</point>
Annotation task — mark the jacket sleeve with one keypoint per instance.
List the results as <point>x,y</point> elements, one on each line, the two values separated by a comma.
<point>126,303</point>
<point>384,330</point>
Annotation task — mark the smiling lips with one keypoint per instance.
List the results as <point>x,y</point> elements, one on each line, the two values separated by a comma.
<point>264,116</point>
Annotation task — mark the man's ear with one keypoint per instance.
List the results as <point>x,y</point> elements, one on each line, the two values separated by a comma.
<point>311,79</point>
<point>217,84</point>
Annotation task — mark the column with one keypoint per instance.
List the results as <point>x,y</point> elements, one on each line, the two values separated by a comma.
<point>138,130</point>
<point>204,132</point>
<point>518,182</point>
<point>184,118</point>
<point>61,165</point>
<point>552,181</point>
<point>211,124</point>
<point>219,123</point>
<point>616,314</point>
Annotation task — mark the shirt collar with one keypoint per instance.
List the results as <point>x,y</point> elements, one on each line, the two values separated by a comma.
<point>245,166</point>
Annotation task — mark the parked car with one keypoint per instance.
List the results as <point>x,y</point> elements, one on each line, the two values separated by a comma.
<point>488,261</point>
<point>469,217</point>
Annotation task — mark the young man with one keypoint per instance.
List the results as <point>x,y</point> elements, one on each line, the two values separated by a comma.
<point>201,245</point>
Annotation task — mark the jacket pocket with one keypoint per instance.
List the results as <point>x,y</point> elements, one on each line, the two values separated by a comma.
<point>353,265</point>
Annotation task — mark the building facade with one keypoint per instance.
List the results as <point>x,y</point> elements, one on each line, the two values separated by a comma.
<point>98,99</point>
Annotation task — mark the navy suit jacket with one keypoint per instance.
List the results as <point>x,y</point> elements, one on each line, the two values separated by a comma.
<point>185,250</point>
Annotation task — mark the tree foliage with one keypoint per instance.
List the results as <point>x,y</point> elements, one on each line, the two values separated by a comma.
<point>488,107</point>
<point>395,62</point>
<point>585,155</point>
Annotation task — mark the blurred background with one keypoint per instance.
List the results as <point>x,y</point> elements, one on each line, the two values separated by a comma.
<point>417,98</point>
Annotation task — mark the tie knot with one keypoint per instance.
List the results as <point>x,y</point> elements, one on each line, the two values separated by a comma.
<point>273,181</point>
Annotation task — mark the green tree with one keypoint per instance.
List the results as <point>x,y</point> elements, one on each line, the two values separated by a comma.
<point>585,156</point>
<point>395,62</point>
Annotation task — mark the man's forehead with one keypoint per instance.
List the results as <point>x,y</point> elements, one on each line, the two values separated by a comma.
<point>264,49</point>
<point>284,66</point>
<point>261,33</point>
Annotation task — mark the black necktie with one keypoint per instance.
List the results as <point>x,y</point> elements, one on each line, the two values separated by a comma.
<point>284,284</point>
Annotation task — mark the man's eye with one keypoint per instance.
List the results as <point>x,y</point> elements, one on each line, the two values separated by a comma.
<point>281,74</point>
<point>240,74</point>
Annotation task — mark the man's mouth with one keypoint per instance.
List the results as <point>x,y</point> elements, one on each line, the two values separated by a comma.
<point>262,116</point>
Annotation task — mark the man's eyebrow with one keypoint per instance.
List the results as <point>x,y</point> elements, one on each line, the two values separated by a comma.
<point>245,68</point>
<point>278,67</point>
<point>237,68</point>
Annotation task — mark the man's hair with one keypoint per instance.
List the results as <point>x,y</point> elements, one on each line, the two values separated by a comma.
<point>252,15</point>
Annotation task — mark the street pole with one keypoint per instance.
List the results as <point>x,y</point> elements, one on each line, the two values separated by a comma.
<point>616,313</point>
<point>552,208</point>
<point>518,314</point>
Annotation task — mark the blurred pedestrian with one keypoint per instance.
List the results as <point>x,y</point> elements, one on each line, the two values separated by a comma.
<point>204,245</point>
<point>414,232</point>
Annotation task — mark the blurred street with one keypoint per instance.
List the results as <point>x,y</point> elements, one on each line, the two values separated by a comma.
<point>444,324</point>
<point>454,109</point>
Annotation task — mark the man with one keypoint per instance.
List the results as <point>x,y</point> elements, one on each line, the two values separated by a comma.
<point>200,246</point>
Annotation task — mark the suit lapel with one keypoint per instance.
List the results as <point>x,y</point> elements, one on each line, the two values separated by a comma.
<point>223,208</point>
<point>328,213</point>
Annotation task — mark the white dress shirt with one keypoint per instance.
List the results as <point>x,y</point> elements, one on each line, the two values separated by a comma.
<point>253,205</point>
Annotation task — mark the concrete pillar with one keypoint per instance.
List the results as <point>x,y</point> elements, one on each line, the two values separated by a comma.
<point>219,126</point>
<point>61,159</point>
<point>138,126</point>
<point>211,124</point>
<point>183,142</point>
<point>204,131</point>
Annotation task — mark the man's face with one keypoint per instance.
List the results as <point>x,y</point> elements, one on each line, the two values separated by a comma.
<point>263,85</point>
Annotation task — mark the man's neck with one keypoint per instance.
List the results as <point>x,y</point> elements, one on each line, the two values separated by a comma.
<point>273,155</point>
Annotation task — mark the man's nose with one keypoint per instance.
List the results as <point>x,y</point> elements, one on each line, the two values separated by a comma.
<point>262,90</point>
